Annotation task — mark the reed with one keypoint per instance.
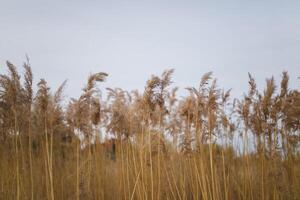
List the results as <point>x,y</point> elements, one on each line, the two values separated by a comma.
<point>149,144</point>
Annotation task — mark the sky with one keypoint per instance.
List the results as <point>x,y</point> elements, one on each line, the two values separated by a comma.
<point>130,40</point>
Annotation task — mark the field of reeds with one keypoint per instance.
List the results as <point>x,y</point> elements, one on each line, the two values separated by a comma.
<point>150,144</point>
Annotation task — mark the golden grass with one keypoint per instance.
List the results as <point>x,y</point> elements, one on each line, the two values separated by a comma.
<point>164,147</point>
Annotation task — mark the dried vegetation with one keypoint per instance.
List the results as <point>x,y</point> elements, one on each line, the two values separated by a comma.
<point>164,147</point>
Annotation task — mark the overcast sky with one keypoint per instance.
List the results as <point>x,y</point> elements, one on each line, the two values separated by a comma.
<point>131,40</point>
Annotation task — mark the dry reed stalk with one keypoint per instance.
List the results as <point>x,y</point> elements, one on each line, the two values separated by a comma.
<point>29,99</point>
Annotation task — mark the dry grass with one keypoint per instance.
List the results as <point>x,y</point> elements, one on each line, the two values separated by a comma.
<point>165,147</point>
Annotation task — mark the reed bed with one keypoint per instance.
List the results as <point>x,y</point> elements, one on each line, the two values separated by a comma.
<point>150,144</point>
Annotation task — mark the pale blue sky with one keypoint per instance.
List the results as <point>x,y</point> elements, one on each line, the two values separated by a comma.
<point>131,40</point>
